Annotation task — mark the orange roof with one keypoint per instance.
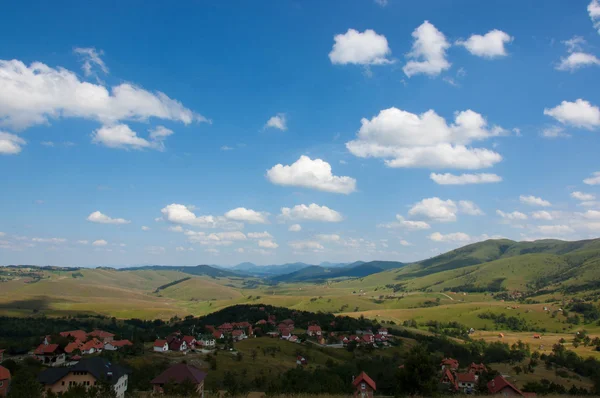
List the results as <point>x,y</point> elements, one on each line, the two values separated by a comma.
<point>101,333</point>
<point>120,343</point>
<point>363,377</point>
<point>46,349</point>
<point>160,343</point>
<point>466,377</point>
<point>4,373</point>
<point>93,343</point>
<point>72,346</point>
<point>78,334</point>
<point>188,339</point>
<point>237,333</point>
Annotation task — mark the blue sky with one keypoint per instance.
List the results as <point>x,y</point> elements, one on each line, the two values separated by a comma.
<point>279,131</point>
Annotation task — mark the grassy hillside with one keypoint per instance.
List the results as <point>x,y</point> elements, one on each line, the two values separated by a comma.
<point>355,270</point>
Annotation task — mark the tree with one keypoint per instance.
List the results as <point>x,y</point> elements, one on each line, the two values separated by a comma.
<point>25,385</point>
<point>518,370</point>
<point>418,377</point>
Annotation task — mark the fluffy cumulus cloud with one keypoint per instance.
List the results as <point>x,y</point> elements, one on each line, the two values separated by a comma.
<point>435,209</point>
<point>10,144</point>
<point>580,114</point>
<point>452,237</point>
<point>122,137</point>
<point>582,196</point>
<point>542,215</point>
<point>354,47</point>
<point>100,218</point>
<point>515,215</point>
<point>463,179</point>
<point>594,11</point>
<point>406,224</point>
<point>36,94</point>
<point>428,54</point>
<point>295,228</point>
<point>470,208</point>
<point>99,243</point>
<point>309,173</point>
<point>406,139</point>
<point>593,180</point>
<point>577,60</point>
<point>312,212</point>
<point>306,245</point>
<point>267,244</point>
<point>534,201</point>
<point>181,214</point>
<point>248,215</point>
<point>278,122</point>
<point>260,235</point>
<point>490,45</point>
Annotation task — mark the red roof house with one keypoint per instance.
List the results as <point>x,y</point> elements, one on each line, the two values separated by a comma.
<point>466,382</point>
<point>190,341</point>
<point>177,374</point>
<point>238,334</point>
<point>477,368</point>
<point>50,354</point>
<point>449,363</point>
<point>383,331</point>
<point>92,346</point>
<point>4,381</point>
<point>314,330</point>
<point>293,339</point>
<point>75,345</point>
<point>102,335</point>
<point>161,346</point>
<point>77,334</point>
<point>364,386</point>
<point>448,378</point>
<point>500,386</point>
<point>178,345</point>
<point>116,344</point>
<point>218,335</point>
<point>226,328</point>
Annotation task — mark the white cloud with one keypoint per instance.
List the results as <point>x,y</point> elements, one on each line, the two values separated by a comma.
<point>260,235</point>
<point>159,133</point>
<point>406,224</point>
<point>247,215</point>
<point>99,242</point>
<point>470,208</point>
<point>382,3</point>
<point>554,229</point>
<point>435,209</point>
<point>580,114</point>
<point>49,240</point>
<point>312,212</point>
<point>515,215</point>
<point>594,180</point>
<point>10,144</point>
<point>83,242</point>
<point>308,173</point>
<point>267,244</point>
<point>226,148</point>
<point>177,228</point>
<point>554,132</point>
<point>145,228</point>
<point>215,239</point>
<point>180,214</point>
<point>100,218</point>
<point>405,243</point>
<point>453,237</point>
<point>582,196</point>
<point>542,215</point>
<point>428,54</point>
<point>576,61</point>
<point>212,251</point>
<point>278,121</point>
<point>295,228</point>
<point>590,203</point>
<point>490,45</point>
<point>91,58</point>
<point>354,47</point>
<point>305,245</point>
<point>328,237</point>
<point>120,136</point>
<point>33,95</point>
<point>463,179</point>
<point>406,139</point>
<point>591,215</point>
<point>594,11</point>
<point>534,201</point>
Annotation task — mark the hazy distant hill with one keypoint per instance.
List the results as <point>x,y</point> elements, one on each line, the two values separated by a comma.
<point>199,270</point>
<point>268,270</point>
<point>317,273</point>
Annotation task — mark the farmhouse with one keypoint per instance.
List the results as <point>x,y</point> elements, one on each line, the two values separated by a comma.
<point>500,386</point>
<point>190,341</point>
<point>225,328</point>
<point>218,335</point>
<point>49,354</point>
<point>206,340</point>
<point>383,331</point>
<point>4,381</point>
<point>87,372</point>
<point>364,386</point>
<point>178,345</point>
<point>466,382</point>
<point>314,330</point>
<point>72,346</point>
<point>238,335</point>
<point>178,374</point>
<point>161,346</point>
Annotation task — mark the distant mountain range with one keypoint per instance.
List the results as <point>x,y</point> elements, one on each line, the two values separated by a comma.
<point>354,270</point>
<point>199,270</point>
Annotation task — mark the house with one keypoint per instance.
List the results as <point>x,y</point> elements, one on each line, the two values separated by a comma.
<point>261,322</point>
<point>116,344</point>
<point>537,336</point>
<point>380,337</point>
<point>466,382</point>
<point>206,340</point>
<point>87,372</point>
<point>314,330</point>
<point>289,323</point>
<point>92,346</point>
<point>293,339</point>
<point>448,378</point>
<point>72,346</point>
<point>383,331</point>
<point>364,386</point>
<point>4,381</point>
<point>225,328</point>
<point>238,335</point>
<point>190,341</point>
<point>218,335</point>
<point>500,386</point>
<point>449,363</point>
<point>103,336</point>
<point>477,368</point>
<point>178,345</point>
<point>300,360</point>
<point>161,346</point>
<point>76,334</point>
<point>178,374</point>
<point>286,333</point>
<point>242,325</point>
<point>50,354</point>
<point>367,338</point>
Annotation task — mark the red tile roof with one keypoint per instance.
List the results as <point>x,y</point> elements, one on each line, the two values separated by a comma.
<point>465,377</point>
<point>499,383</point>
<point>120,343</point>
<point>44,349</point>
<point>175,345</point>
<point>75,345</point>
<point>78,334</point>
<point>179,373</point>
<point>453,363</point>
<point>160,343</point>
<point>217,335</point>
<point>237,333</point>
<point>4,373</point>
<point>93,343</point>
<point>189,340</point>
<point>363,377</point>
<point>101,334</point>
<point>314,328</point>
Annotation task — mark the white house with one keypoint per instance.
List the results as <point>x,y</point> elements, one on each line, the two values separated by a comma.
<point>161,346</point>
<point>207,340</point>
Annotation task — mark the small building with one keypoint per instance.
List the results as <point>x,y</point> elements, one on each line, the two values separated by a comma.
<point>314,330</point>
<point>87,372</point>
<point>301,361</point>
<point>466,382</point>
<point>477,368</point>
<point>178,346</point>
<point>383,331</point>
<point>364,386</point>
<point>161,346</point>
<point>93,346</point>
<point>285,333</point>
<point>116,344</point>
<point>178,374</point>
<point>103,336</point>
<point>218,335</point>
<point>206,340</point>
<point>4,381</point>
<point>72,346</point>
<point>50,354</point>
<point>449,363</point>
<point>500,386</point>
<point>190,341</point>
<point>225,328</point>
<point>238,334</point>
<point>447,378</point>
<point>293,339</point>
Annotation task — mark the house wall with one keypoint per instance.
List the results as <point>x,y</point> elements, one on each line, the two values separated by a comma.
<point>508,392</point>
<point>121,386</point>
<point>63,384</point>
<point>160,349</point>
<point>52,360</point>
<point>366,393</point>
<point>4,384</point>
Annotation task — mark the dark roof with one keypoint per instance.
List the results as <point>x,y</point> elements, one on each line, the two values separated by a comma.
<point>180,372</point>
<point>100,368</point>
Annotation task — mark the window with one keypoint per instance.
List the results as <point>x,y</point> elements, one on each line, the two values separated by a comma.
<point>1,383</point>
<point>363,386</point>
<point>63,383</point>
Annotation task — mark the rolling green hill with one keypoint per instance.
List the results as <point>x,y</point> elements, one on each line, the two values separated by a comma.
<point>356,270</point>
<point>199,270</point>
